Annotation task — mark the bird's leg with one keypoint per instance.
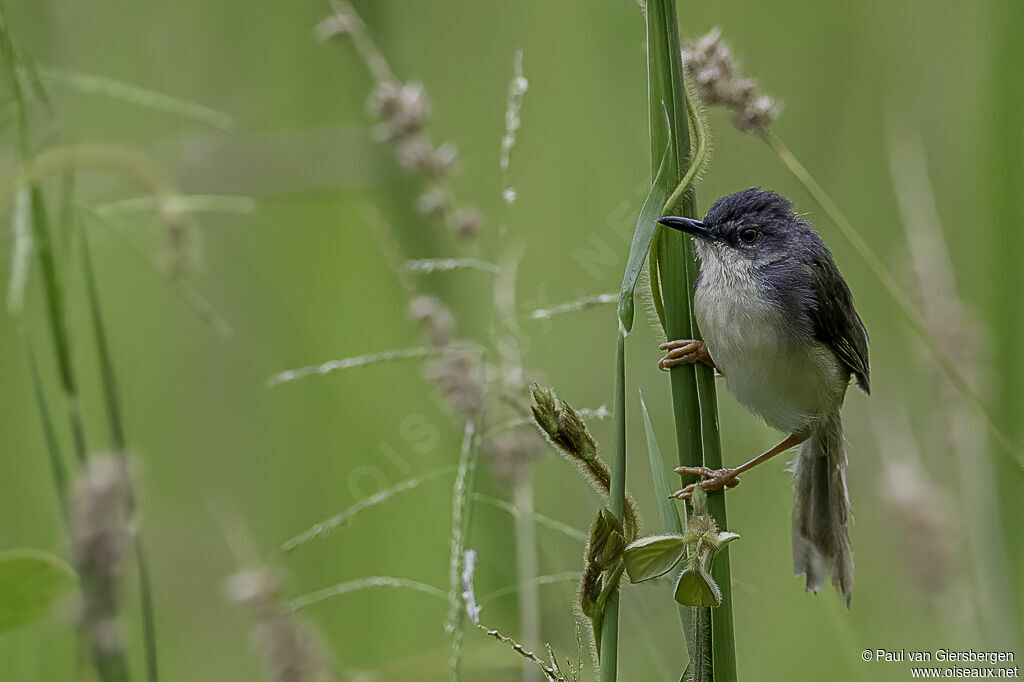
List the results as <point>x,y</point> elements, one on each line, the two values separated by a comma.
<point>729,478</point>
<point>685,352</point>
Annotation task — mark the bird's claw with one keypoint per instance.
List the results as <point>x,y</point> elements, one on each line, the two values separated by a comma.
<point>684,352</point>
<point>714,479</point>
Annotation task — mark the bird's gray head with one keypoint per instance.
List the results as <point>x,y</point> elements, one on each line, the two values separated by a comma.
<point>753,226</point>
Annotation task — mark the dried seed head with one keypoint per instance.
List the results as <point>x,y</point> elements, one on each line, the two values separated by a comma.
<point>922,523</point>
<point>402,109</point>
<point>511,451</point>
<point>383,102</point>
<point>338,25</point>
<point>442,159</point>
<point>99,527</point>
<point>457,374</point>
<point>412,152</point>
<point>256,589</point>
<point>433,201</point>
<point>436,319</point>
<point>717,75</point>
<point>99,536</point>
<point>466,222</point>
<point>291,648</point>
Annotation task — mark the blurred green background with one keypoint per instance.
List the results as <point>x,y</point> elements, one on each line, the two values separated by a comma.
<point>302,279</point>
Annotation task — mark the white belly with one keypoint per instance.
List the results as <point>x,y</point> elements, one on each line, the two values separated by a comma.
<point>788,381</point>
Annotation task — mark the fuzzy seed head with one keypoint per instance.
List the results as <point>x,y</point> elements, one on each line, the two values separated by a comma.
<point>432,202</point>
<point>511,451</point>
<point>290,647</point>
<point>336,26</point>
<point>466,222</point>
<point>401,109</point>
<point>99,537</point>
<point>435,318</point>
<point>922,522</point>
<point>457,374</point>
<point>716,73</point>
<point>99,528</point>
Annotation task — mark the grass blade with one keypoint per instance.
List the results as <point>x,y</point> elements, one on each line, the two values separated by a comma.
<point>461,507</point>
<point>643,235</point>
<point>669,516</point>
<point>363,584</point>
<point>552,579</point>
<point>183,203</point>
<point>429,265</point>
<point>117,434</point>
<point>21,251</point>
<point>101,85</point>
<point>323,528</point>
<point>539,519</point>
<point>349,363</point>
<point>579,305</point>
<point>57,465</point>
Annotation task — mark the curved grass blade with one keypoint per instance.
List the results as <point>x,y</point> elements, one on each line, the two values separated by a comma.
<point>324,527</point>
<point>57,465</point>
<point>643,235</point>
<point>117,433</point>
<point>349,363</point>
<point>579,305</point>
<point>150,99</point>
<point>539,519</point>
<point>183,203</point>
<point>429,265</point>
<point>363,584</point>
<point>552,579</point>
<point>670,523</point>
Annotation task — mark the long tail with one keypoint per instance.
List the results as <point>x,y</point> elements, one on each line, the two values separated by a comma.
<point>821,510</point>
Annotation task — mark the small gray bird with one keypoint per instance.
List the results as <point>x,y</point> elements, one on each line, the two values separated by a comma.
<point>778,321</point>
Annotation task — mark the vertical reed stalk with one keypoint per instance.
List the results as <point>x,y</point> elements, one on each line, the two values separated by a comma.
<point>526,568</point>
<point>616,504</point>
<point>693,390</point>
<point>113,409</point>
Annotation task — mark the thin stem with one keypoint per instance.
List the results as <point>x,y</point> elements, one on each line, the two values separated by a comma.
<point>540,519</point>
<point>117,434</point>
<point>526,567</point>
<point>57,465</point>
<point>461,506</point>
<point>616,504</point>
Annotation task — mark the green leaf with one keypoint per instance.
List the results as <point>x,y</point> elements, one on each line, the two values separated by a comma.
<point>653,556</point>
<point>643,235</point>
<point>670,522</point>
<point>30,582</point>
<point>696,588</point>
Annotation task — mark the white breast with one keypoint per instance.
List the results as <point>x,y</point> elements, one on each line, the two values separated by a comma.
<point>786,380</point>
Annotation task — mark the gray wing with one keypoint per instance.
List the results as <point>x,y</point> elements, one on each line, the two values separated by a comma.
<point>836,322</point>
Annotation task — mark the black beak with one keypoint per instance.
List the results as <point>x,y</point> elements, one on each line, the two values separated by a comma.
<point>689,225</point>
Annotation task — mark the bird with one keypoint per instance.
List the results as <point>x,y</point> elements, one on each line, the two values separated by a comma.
<point>778,321</point>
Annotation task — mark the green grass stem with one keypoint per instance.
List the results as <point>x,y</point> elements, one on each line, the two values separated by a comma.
<point>112,403</point>
<point>616,504</point>
<point>693,392</point>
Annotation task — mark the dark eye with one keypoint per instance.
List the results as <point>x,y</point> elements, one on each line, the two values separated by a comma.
<point>748,235</point>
